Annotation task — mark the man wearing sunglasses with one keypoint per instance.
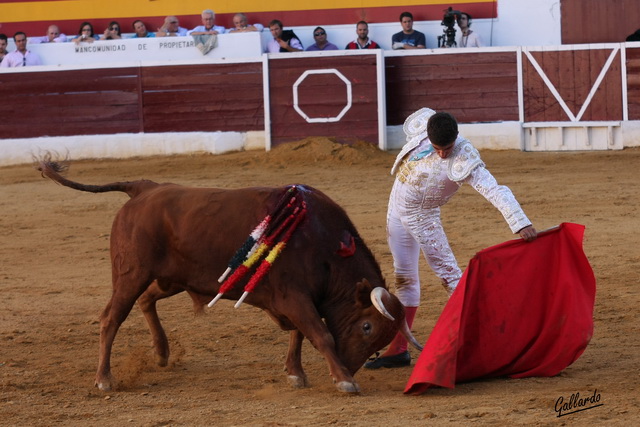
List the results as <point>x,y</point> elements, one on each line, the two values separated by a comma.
<point>21,57</point>
<point>320,36</point>
<point>171,28</point>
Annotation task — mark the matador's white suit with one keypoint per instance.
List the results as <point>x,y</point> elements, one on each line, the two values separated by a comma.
<point>423,183</point>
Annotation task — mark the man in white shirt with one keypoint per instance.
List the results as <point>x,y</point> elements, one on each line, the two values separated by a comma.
<point>466,37</point>
<point>241,25</point>
<point>208,25</point>
<point>53,36</point>
<point>283,40</point>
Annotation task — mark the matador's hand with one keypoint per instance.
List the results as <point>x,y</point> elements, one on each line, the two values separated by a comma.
<point>528,233</point>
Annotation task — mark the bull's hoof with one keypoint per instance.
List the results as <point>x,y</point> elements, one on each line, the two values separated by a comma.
<point>161,361</point>
<point>103,385</point>
<point>347,387</point>
<point>297,382</point>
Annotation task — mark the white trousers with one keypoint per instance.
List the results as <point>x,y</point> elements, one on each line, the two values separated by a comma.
<point>410,230</point>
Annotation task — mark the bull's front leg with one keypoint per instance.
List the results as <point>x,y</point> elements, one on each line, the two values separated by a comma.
<point>293,364</point>
<point>309,323</point>
<point>325,344</point>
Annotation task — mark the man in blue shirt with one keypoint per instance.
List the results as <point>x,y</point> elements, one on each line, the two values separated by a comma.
<point>408,38</point>
<point>141,30</point>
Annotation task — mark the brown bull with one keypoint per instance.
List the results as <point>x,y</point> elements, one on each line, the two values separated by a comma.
<point>325,286</point>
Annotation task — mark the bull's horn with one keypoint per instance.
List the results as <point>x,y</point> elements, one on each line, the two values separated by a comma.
<point>406,332</point>
<point>376,299</point>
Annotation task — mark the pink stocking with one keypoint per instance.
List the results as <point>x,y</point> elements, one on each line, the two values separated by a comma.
<point>399,343</point>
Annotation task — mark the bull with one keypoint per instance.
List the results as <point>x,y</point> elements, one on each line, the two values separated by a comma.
<point>326,285</point>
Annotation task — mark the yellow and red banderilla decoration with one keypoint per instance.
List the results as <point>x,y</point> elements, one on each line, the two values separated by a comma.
<point>251,244</point>
<point>272,226</point>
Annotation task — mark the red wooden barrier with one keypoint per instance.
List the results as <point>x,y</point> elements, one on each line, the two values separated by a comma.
<point>323,94</point>
<point>474,87</point>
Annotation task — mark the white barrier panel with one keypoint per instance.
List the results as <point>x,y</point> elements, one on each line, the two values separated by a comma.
<point>163,49</point>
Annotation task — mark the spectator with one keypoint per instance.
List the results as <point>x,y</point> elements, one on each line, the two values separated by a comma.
<point>363,41</point>
<point>141,30</point>
<point>283,40</point>
<point>635,37</point>
<point>466,37</point>
<point>53,36</point>
<point>320,36</point>
<point>171,28</point>
<point>408,38</point>
<point>112,32</point>
<point>241,24</point>
<point>208,25</point>
<point>3,46</point>
<point>85,34</point>
<point>21,57</point>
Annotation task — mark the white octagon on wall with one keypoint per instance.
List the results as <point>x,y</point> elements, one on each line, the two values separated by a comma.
<point>321,119</point>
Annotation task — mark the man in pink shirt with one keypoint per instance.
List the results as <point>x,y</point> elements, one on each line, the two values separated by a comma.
<point>21,57</point>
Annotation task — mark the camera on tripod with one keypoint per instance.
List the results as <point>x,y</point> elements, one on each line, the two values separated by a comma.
<point>448,37</point>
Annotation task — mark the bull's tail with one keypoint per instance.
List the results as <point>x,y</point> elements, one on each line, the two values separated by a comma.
<point>53,169</point>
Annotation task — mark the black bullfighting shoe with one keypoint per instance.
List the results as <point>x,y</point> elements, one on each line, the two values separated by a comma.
<point>398,361</point>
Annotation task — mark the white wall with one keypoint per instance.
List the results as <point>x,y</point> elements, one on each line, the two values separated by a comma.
<point>491,136</point>
<point>20,151</point>
<point>110,53</point>
<point>485,136</point>
<point>527,23</point>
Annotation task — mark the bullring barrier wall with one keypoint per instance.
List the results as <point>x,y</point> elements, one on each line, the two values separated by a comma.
<point>582,97</point>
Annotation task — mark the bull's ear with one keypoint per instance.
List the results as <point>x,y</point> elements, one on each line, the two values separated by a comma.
<point>363,293</point>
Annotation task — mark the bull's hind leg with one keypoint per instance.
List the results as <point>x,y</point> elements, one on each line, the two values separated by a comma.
<point>147,303</point>
<point>293,364</point>
<point>125,294</point>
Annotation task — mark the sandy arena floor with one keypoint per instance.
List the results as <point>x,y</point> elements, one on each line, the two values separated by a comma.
<point>226,366</point>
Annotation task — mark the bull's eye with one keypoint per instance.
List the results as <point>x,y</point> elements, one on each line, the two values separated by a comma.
<point>366,328</point>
